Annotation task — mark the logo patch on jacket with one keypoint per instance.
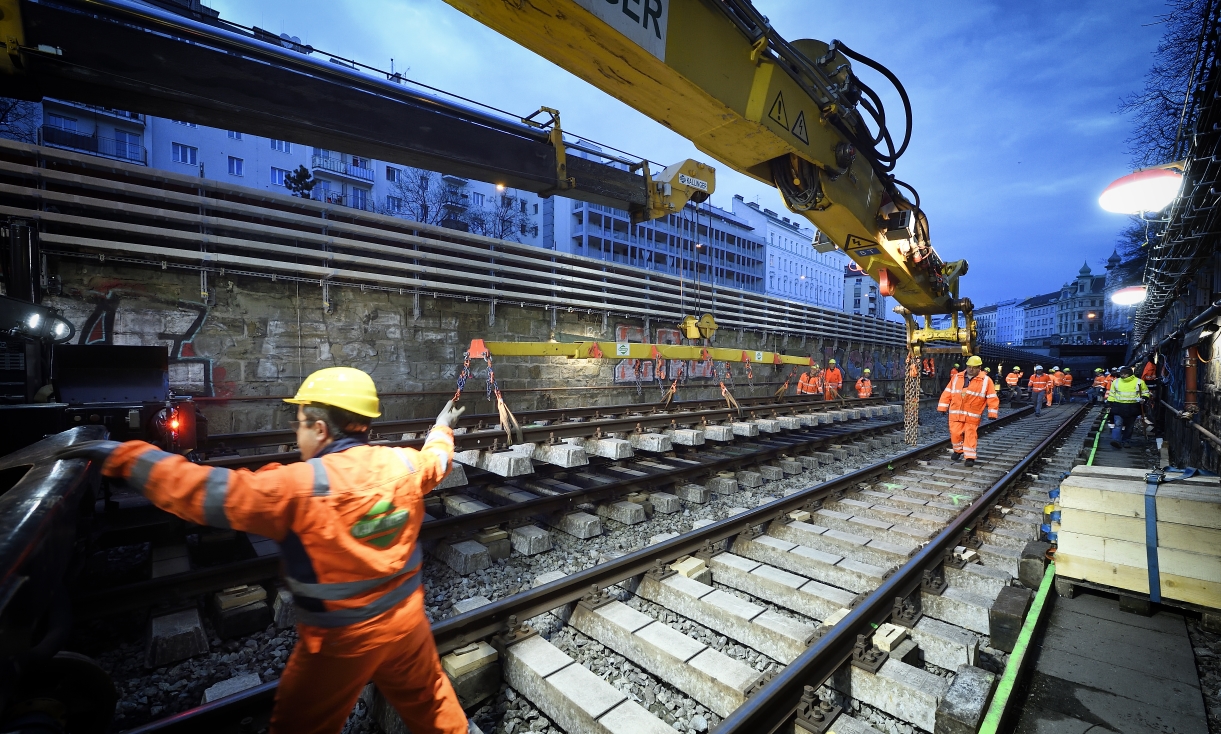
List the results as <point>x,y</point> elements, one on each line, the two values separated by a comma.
<point>380,525</point>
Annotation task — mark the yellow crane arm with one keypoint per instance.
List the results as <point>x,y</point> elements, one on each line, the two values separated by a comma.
<point>784,113</point>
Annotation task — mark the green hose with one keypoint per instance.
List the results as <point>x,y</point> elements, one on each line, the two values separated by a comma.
<point>1097,436</point>
<point>996,710</point>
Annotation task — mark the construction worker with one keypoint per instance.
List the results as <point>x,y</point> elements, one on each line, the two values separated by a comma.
<point>1013,377</point>
<point>1066,385</point>
<point>347,518</point>
<point>832,380</point>
<point>1101,383</point>
<point>1040,385</point>
<point>1056,393</point>
<point>864,388</point>
<point>1123,400</point>
<point>810,383</point>
<point>955,369</point>
<point>965,399</point>
<point>1149,372</point>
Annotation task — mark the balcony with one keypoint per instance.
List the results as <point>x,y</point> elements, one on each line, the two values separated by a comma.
<point>106,147</point>
<point>339,167</point>
<point>110,111</point>
<point>456,201</point>
<point>364,203</point>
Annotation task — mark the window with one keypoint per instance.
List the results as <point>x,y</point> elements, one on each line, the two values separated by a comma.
<point>360,198</point>
<point>394,203</point>
<point>393,174</point>
<point>536,208</point>
<point>523,208</point>
<point>184,124</point>
<point>185,154</point>
<point>61,122</point>
<point>277,176</point>
<point>281,145</point>
<point>523,224</point>
<point>234,135</point>
<point>127,145</point>
<point>360,162</point>
<point>856,303</point>
<point>237,166</point>
<point>477,199</point>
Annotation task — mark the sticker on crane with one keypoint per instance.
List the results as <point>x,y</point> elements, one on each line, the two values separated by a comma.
<point>758,356</point>
<point>693,182</point>
<point>861,247</point>
<point>622,349</point>
<point>778,114</point>
<point>642,21</point>
<point>799,128</point>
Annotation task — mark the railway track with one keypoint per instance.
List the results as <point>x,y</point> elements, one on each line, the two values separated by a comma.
<point>766,607</point>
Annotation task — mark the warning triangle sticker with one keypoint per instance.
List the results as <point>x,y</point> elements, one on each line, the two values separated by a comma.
<point>799,128</point>
<point>778,112</point>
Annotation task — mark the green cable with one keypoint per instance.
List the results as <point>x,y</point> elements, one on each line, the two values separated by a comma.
<point>996,710</point>
<point>1097,436</point>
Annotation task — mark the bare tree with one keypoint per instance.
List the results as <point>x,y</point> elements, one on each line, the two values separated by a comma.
<point>418,195</point>
<point>19,120</point>
<point>1162,115</point>
<point>504,217</point>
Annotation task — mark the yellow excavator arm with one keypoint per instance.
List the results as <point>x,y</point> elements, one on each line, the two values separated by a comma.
<point>788,114</point>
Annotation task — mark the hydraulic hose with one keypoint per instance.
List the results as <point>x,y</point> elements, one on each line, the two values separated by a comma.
<point>907,105</point>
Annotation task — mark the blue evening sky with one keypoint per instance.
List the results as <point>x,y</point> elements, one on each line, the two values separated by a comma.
<point>1016,130</point>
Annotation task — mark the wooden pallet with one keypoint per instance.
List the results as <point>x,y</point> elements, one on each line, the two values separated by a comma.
<point>1067,587</point>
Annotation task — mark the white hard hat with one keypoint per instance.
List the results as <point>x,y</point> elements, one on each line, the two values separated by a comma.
<point>1038,366</point>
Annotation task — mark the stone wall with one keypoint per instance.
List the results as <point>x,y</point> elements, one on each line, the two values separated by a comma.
<point>254,339</point>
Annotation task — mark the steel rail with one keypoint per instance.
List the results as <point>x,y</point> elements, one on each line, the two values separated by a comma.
<point>495,438</point>
<point>479,421</point>
<point>491,619</point>
<point>772,706</point>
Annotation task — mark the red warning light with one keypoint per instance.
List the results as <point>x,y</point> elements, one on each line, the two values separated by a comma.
<point>174,424</point>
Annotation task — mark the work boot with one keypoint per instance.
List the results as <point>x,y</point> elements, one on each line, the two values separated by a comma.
<point>1116,445</point>
<point>956,457</point>
<point>969,462</point>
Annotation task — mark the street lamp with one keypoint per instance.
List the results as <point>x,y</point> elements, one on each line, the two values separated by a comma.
<point>1129,296</point>
<point>1147,190</point>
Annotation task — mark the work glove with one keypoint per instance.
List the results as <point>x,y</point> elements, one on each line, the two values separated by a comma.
<point>449,415</point>
<point>96,450</point>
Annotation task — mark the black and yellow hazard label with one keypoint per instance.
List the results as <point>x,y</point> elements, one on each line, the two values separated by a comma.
<point>381,525</point>
<point>778,113</point>
<point>799,128</point>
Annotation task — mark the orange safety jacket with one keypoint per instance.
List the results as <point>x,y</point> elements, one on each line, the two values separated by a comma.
<point>1066,379</point>
<point>864,388</point>
<point>347,524</point>
<point>1056,379</point>
<point>1041,383</point>
<point>1012,378</point>
<point>833,378</point>
<point>1149,372</point>
<point>966,399</point>
<point>1102,381</point>
<point>809,384</point>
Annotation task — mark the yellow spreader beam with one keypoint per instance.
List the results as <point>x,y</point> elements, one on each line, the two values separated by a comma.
<point>626,350</point>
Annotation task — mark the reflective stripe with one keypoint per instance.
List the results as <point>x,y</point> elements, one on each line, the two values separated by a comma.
<point>403,457</point>
<point>215,490</point>
<point>379,606</point>
<point>143,467</point>
<point>435,435</point>
<point>322,483</point>
<point>442,456</point>
<point>349,589</point>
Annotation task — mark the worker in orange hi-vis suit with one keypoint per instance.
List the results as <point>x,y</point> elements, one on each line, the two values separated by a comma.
<point>810,383</point>
<point>955,369</point>
<point>1041,385</point>
<point>1066,384</point>
<point>1056,382</point>
<point>832,381</point>
<point>864,388</point>
<point>347,518</point>
<point>1149,372</point>
<point>1102,381</point>
<point>1014,377</point>
<point>968,395</point>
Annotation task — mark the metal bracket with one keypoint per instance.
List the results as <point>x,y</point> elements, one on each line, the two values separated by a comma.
<point>952,560</point>
<point>815,716</point>
<point>934,580</point>
<point>595,599</point>
<point>707,551</point>
<point>563,181</point>
<point>660,571</point>
<point>907,611</point>
<point>759,684</point>
<point>513,634</point>
<point>867,657</point>
<point>750,532</point>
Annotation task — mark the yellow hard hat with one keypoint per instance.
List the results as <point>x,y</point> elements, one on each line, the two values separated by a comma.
<point>974,361</point>
<point>342,387</point>
<point>866,370</point>
<point>1017,369</point>
<point>831,361</point>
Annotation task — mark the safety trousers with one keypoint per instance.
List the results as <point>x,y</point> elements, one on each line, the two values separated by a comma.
<point>964,436</point>
<point>317,691</point>
<point>830,393</point>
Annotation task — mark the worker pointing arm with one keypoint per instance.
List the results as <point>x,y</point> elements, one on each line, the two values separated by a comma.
<point>347,518</point>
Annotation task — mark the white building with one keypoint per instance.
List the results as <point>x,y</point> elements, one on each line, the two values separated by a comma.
<point>861,294</point>
<point>795,270</point>
<point>1010,322</point>
<point>985,323</point>
<point>1039,315</point>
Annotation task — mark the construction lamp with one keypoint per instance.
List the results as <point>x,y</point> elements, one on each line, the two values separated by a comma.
<point>1129,296</point>
<point>1147,190</point>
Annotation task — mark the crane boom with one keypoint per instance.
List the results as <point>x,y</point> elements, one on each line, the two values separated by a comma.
<point>787,114</point>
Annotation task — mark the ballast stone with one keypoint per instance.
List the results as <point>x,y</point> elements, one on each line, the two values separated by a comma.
<point>230,686</point>
<point>174,637</point>
<point>530,540</point>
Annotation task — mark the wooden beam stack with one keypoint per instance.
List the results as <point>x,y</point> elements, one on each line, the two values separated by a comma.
<point>1102,533</point>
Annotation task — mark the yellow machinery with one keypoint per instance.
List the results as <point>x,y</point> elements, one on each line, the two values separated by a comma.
<point>786,113</point>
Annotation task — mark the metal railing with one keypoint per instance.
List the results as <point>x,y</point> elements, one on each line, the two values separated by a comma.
<point>310,242</point>
<point>361,203</point>
<point>336,165</point>
<point>109,147</point>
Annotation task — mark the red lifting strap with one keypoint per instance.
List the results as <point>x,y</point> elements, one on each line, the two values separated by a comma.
<point>745,357</point>
<point>595,352</point>
<point>775,357</point>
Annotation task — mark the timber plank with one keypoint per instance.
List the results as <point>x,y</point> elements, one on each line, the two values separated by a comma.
<point>1194,591</point>
<point>1170,560</point>
<point>1195,505</point>
<point>1205,541</point>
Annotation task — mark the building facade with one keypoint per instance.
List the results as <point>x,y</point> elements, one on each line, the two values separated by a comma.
<point>1079,312</point>
<point>985,323</point>
<point>1117,319</point>
<point>795,270</point>
<point>1039,318</point>
<point>1010,322</point>
<point>861,295</point>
